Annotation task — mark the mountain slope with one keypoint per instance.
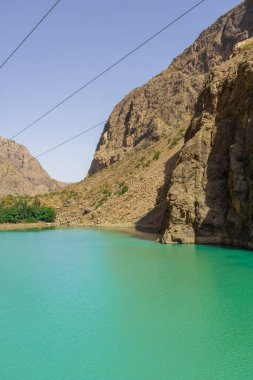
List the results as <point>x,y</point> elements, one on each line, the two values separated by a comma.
<point>128,193</point>
<point>166,103</point>
<point>20,173</point>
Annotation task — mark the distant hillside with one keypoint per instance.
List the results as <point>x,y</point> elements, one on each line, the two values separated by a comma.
<point>20,173</point>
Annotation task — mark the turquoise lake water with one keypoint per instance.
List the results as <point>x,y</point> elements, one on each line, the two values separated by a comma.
<point>86,304</point>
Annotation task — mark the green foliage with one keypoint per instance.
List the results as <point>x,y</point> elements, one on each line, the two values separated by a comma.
<point>181,132</point>
<point>147,164</point>
<point>66,194</point>
<point>156,155</point>
<point>21,211</point>
<point>37,202</point>
<point>9,199</point>
<point>107,192</point>
<point>174,142</point>
<point>100,203</point>
<point>140,162</point>
<point>124,189</point>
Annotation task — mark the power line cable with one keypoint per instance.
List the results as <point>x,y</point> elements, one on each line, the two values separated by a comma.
<point>29,34</point>
<point>56,146</point>
<point>106,70</point>
<point>70,139</point>
<point>92,80</point>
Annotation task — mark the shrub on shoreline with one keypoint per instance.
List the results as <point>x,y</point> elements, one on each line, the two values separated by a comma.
<point>21,211</point>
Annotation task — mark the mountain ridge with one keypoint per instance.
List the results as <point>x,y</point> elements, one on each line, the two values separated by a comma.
<point>22,174</point>
<point>166,102</point>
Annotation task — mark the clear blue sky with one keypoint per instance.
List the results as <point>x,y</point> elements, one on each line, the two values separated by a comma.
<point>77,41</point>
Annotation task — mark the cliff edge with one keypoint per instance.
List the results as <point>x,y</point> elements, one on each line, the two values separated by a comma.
<point>210,197</point>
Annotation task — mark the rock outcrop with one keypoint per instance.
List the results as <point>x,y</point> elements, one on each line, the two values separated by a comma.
<point>20,173</point>
<point>166,104</point>
<point>210,198</point>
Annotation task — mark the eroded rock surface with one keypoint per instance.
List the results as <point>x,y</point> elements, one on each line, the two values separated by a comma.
<point>20,173</point>
<point>166,104</point>
<point>210,199</point>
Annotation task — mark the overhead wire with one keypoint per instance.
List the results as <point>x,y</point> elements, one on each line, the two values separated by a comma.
<point>70,139</point>
<point>92,80</point>
<point>29,34</point>
<point>58,145</point>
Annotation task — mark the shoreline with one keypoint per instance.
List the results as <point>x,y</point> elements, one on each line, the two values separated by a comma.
<point>129,228</point>
<point>24,226</point>
<point>147,233</point>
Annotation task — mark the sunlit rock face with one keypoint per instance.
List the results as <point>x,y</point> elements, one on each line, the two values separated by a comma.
<point>210,199</point>
<point>20,173</point>
<point>166,103</point>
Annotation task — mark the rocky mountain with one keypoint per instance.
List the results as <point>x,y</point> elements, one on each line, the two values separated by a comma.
<point>176,155</point>
<point>210,197</point>
<point>20,173</point>
<point>166,103</point>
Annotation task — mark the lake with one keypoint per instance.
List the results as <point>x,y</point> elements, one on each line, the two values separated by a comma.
<point>81,304</point>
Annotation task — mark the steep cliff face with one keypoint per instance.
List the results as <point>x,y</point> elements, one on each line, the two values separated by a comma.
<point>165,105</point>
<point>193,182</point>
<point>20,173</point>
<point>210,198</point>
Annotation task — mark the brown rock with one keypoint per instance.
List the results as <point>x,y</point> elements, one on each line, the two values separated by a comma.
<point>210,198</point>
<point>165,105</point>
<point>21,174</point>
